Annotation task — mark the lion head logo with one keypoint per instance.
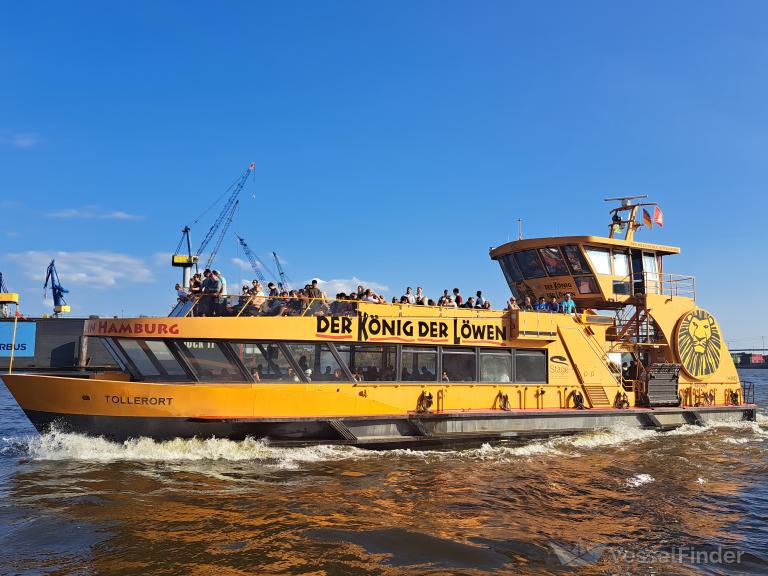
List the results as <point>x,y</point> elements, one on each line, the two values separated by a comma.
<point>698,343</point>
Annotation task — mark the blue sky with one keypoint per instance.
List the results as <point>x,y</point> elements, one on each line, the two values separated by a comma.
<point>395,142</point>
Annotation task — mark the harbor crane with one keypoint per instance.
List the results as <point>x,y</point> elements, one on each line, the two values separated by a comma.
<point>256,262</point>
<point>217,231</point>
<point>6,297</point>
<point>52,276</point>
<point>283,283</point>
<point>184,261</point>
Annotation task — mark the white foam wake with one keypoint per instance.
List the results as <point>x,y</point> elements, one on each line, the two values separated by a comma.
<point>638,480</point>
<point>57,445</point>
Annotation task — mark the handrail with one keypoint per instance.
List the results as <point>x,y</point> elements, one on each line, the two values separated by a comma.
<point>258,305</point>
<point>748,391</point>
<point>663,283</point>
<point>527,331</point>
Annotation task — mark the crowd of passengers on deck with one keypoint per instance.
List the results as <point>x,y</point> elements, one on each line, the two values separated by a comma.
<point>208,292</point>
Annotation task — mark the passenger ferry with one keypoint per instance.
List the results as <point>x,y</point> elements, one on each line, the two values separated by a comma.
<point>388,375</point>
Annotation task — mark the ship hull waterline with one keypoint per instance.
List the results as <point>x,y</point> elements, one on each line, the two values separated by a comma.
<point>422,429</point>
<point>121,411</point>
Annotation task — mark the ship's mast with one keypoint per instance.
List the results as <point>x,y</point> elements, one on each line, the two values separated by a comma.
<point>624,217</point>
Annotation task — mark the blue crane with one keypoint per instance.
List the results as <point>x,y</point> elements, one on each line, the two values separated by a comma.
<point>229,215</point>
<point>283,283</point>
<point>59,304</point>
<point>256,262</point>
<point>224,219</point>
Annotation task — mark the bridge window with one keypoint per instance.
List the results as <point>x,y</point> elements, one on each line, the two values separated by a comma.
<point>419,364</point>
<point>601,259</point>
<point>459,364</point>
<point>531,366</point>
<point>553,261</point>
<point>511,269</point>
<point>210,361</point>
<point>620,264</point>
<point>495,365</point>
<point>576,260</point>
<point>586,285</point>
<point>530,264</point>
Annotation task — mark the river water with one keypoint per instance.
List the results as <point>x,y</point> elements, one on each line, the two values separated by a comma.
<point>614,502</point>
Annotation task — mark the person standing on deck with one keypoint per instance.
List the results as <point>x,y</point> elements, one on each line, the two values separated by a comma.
<point>205,305</point>
<point>313,291</point>
<point>217,289</point>
<point>568,306</point>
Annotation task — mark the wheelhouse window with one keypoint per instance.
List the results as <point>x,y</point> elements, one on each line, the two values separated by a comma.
<point>210,361</point>
<point>495,365</point>
<point>459,365</point>
<point>553,261</point>
<point>510,268</point>
<point>601,259</point>
<point>620,264</point>
<point>372,363</point>
<point>419,364</point>
<point>576,261</point>
<point>531,366</point>
<point>586,285</point>
<point>530,264</point>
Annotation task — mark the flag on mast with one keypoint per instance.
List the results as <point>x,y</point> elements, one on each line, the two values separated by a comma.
<point>658,217</point>
<point>647,218</point>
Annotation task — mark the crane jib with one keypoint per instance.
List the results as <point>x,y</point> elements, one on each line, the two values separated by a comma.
<point>224,218</point>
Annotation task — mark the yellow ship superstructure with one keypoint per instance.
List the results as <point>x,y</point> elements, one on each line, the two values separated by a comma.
<point>638,351</point>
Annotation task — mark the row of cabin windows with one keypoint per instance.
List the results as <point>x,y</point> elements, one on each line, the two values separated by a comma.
<point>209,361</point>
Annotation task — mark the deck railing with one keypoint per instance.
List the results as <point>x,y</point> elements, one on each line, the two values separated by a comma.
<point>656,283</point>
<point>253,305</point>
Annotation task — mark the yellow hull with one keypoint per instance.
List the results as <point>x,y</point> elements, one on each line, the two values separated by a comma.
<point>371,415</point>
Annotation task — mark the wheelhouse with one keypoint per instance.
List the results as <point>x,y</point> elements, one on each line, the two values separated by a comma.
<point>600,273</point>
